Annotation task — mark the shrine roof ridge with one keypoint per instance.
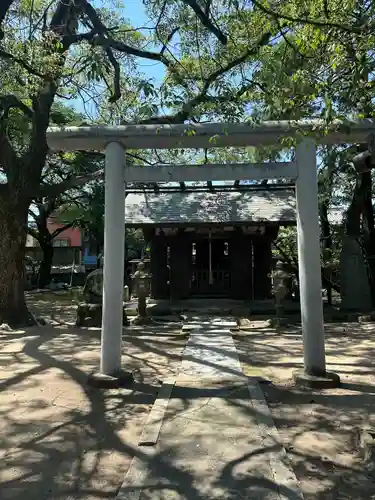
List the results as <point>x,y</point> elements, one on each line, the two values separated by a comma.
<point>221,207</point>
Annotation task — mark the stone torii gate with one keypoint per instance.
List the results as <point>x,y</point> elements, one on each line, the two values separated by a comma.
<point>114,140</point>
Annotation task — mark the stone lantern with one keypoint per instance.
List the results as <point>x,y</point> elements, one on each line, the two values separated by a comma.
<point>280,289</point>
<point>141,287</point>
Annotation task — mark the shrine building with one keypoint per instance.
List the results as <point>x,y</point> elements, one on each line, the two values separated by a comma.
<point>210,241</point>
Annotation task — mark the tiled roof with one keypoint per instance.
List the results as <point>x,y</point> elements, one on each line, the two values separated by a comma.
<point>216,207</point>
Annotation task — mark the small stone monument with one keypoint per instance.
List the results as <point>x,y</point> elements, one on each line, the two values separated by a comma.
<point>89,313</point>
<point>141,287</point>
<point>280,290</point>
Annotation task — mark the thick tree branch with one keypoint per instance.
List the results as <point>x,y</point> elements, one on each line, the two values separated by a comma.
<point>116,77</point>
<point>35,157</point>
<point>108,42</point>
<point>22,63</point>
<point>32,214</point>
<point>63,228</point>
<point>169,38</point>
<point>105,41</point>
<point>100,35</point>
<point>9,159</point>
<point>34,233</point>
<point>72,182</point>
<point>8,102</point>
<point>205,20</point>
<point>203,96</point>
<point>208,7</point>
<point>43,236</point>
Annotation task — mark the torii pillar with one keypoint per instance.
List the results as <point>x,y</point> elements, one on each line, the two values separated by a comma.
<point>111,373</point>
<point>314,373</point>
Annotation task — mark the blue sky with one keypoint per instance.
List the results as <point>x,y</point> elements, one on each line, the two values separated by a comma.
<point>135,11</point>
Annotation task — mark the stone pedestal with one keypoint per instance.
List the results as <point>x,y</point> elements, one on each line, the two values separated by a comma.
<point>325,380</point>
<point>116,380</point>
<point>90,315</point>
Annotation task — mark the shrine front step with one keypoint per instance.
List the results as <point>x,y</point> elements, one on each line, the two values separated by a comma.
<point>218,307</point>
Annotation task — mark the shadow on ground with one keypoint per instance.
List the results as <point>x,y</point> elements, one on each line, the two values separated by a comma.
<point>60,439</point>
<point>319,428</point>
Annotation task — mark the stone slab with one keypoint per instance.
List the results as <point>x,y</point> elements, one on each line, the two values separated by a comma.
<point>208,449</point>
<point>224,323</point>
<point>132,486</point>
<point>154,422</point>
<point>281,469</point>
<point>211,353</point>
<point>191,327</point>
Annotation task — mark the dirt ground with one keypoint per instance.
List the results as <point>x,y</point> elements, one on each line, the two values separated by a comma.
<point>319,428</point>
<point>62,440</point>
<point>59,438</point>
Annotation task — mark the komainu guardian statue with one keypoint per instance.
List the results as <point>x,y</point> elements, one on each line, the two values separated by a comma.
<point>89,313</point>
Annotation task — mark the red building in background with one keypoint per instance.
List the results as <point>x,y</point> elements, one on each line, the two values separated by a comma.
<point>67,246</point>
<point>70,237</point>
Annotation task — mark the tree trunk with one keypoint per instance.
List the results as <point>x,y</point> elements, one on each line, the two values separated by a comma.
<point>326,247</point>
<point>46,264</point>
<point>13,232</point>
<point>354,277</point>
<point>369,230</point>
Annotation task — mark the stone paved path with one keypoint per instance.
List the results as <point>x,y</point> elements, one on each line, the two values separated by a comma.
<point>210,351</point>
<point>215,441</point>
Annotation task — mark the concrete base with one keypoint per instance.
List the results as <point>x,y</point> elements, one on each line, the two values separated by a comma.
<point>101,381</point>
<point>327,381</point>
